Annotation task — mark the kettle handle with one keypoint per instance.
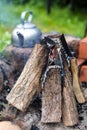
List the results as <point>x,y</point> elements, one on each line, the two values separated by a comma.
<point>29,17</point>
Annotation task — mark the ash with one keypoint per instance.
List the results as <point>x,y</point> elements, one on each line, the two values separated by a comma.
<point>30,119</point>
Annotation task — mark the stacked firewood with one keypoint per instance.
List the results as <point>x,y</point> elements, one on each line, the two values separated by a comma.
<point>42,74</point>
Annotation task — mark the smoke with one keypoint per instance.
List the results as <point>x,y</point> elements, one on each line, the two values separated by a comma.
<point>7,15</point>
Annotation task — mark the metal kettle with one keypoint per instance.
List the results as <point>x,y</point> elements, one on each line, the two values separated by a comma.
<point>26,34</point>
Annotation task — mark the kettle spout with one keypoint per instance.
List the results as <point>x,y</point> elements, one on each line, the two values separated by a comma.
<point>21,39</point>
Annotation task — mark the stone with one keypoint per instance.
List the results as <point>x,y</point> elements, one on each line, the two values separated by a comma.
<point>7,125</point>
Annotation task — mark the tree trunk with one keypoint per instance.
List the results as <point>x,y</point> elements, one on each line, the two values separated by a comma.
<point>51,98</point>
<point>28,83</point>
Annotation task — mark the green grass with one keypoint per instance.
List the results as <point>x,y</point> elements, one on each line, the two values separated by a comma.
<point>60,20</point>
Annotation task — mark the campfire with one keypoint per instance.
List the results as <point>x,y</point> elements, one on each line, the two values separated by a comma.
<point>47,89</point>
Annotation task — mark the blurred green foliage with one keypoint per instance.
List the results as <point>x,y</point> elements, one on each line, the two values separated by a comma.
<point>60,19</point>
<point>16,1</point>
<point>41,2</point>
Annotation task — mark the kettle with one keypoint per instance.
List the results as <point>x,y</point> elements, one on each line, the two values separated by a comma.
<point>26,34</point>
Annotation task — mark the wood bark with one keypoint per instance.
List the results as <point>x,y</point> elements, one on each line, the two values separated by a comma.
<point>51,98</point>
<point>70,114</point>
<point>28,83</point>
<point>76,83</point>
<point>72,41</point>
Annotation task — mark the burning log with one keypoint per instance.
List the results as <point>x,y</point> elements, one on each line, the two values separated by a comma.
<point>72,42</point>
<point>28,83</point>
<point>49,106</point>
<point>51,98</point>
<point>71,61</point>
<point>69,103</point>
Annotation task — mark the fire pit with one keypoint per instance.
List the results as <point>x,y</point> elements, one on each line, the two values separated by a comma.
<point>31,118</point>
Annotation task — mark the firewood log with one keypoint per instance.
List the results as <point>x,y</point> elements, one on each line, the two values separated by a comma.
<point>70,114</point>
<point>76,83</point>
<point>72,41</point>
<point>28,83</point>
<point>51,98</point>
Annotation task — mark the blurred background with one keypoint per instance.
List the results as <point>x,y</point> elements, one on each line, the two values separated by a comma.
<point>64,16</point>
